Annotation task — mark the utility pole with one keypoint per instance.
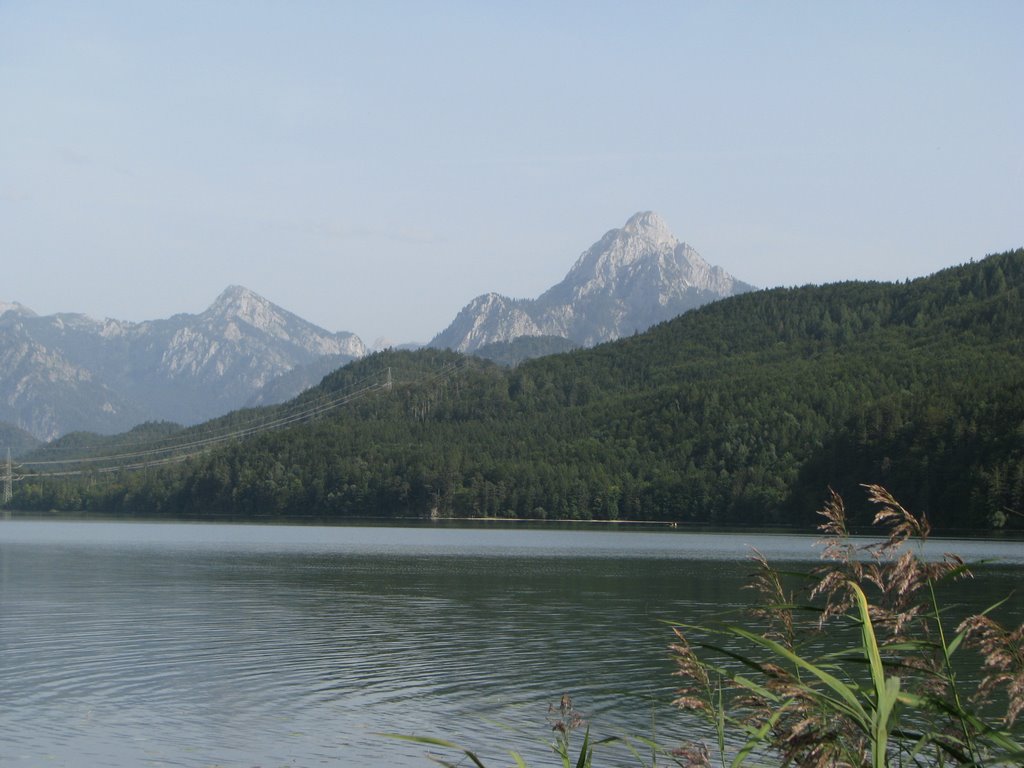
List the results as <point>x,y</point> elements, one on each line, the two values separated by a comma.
<point>387,382</point>
<point>8,479</point>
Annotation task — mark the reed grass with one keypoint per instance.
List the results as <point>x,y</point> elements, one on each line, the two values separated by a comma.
<point>890,699</point>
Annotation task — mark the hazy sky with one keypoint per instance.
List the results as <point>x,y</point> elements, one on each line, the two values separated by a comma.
<point>373,166</point>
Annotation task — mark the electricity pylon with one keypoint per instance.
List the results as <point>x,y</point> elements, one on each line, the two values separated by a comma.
<point>8,479</point>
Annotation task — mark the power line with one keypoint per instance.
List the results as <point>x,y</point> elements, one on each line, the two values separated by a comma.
<point>181,451</point>
<point>235,434</point>
<point>231,424</point>
<point>175,450</point>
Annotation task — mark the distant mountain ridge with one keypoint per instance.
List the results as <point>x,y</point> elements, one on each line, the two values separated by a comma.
<point>629,280</point>
<point>68,372</point>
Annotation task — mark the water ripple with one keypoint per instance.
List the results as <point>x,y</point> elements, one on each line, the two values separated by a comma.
<point>125,653</point>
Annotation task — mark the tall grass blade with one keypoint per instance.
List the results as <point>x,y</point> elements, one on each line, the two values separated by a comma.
<point>435,742</point>
<point>585,753</point>
<point>849,703</point>
<point>886,690</point>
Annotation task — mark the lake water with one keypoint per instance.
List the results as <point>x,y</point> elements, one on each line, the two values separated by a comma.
<point>134,644</point>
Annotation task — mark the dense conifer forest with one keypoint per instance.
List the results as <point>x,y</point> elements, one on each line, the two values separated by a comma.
<point>743,412</point>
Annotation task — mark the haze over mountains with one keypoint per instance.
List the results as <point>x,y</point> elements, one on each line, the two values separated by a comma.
<point>69,372</point>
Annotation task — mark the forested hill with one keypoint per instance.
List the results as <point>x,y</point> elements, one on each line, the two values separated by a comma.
<point>741,412</point>
<point>17,440</point>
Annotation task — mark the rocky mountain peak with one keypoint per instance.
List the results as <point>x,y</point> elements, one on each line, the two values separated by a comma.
<point>645,238</point>
<point>649,225</point>
<point>234,293</point>
<point>628,280</point>
<point>13,306</point>
<point>239,304</point>
<point>236,298</point>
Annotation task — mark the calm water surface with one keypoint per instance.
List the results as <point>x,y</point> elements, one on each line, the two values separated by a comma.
<point>132,644</point>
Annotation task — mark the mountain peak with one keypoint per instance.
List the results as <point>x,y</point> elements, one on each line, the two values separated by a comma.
<point>629,280</point>
<point>13,306</point>
<point>650,225</point>
<point>235,293</point>
<point>238,306</point>
<point>238,302</point>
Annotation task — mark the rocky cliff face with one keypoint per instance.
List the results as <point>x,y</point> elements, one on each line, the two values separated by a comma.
<point>66,372</point>
<point>487,319</point>
<point>627,281</point>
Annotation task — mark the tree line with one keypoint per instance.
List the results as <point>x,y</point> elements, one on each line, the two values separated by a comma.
<point>743,412</point>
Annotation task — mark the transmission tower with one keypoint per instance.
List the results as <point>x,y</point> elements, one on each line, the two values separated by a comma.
<point>8,479</point>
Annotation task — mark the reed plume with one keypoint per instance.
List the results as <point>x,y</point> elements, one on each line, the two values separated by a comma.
<point>891,698</point>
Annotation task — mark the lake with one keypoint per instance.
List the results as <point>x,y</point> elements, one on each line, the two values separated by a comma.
<point>149,644</point>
